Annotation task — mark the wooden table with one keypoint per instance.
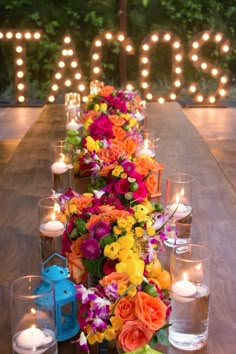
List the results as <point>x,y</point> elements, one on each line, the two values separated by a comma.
<point>27,178</point>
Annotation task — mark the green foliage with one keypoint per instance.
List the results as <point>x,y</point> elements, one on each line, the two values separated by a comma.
<point>86,19</point>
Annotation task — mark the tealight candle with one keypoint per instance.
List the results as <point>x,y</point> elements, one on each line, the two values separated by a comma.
<point>31,338</point>
<point>183,290</point>
<point>146,150</point>
<point>52,228</point>
<point>59,167</point>
<point>73,125</point>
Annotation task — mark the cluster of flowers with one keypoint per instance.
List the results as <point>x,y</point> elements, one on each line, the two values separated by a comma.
<point>117,309</point>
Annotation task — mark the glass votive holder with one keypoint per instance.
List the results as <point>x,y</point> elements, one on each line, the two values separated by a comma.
<point>95,87</point>
<point>33,320</point>
<point>62,154</point>
<point>190,288</point>
<point>178,208</point>
<point>51,227</point>
<point>148,143</point>
<point>73,121</point>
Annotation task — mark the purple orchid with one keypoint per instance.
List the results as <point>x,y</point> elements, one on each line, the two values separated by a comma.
<point>82,342</point>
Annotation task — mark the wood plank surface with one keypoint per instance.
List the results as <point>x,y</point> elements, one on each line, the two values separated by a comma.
<point>27,178</point>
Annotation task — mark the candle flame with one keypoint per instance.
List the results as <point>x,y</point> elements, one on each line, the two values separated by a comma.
<point>185,276</point>
<point>53,216</point>
<point>182,192</point>
<point>199,266</point>
<point>62,157</point>
<point>146,144</point>
<point>177,198</point>
<point>56,208</point>
<point>33,311</point>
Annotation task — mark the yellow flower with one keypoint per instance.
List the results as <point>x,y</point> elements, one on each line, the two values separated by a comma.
<point>133,267</point>
<point>96,107</point>
<point>88,195</point>
<point>126,242</point>
<point>132,292</point>
<point>122,223</point>
<point>151,231</point>
<point>123,175</point>
<point>139,231</point>
<point>112,250</point>
<point>117,231</point>
<point>116,322</point>
<point>87,123</point>
<point>130,220</point>
<point>91,339</point>
<point>125,255</point>
<point>121,288</point>
<point>99,337</point>
<point>117,171</point>
<point>92,145</point>
<point>125,116</point>
<point>109,333</point>
<point>72,209</point>
<point>136,279</point>
<point>132,122</point>
<point>103,106</point>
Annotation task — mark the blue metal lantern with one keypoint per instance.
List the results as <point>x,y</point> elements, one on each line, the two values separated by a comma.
<point>65,298</point>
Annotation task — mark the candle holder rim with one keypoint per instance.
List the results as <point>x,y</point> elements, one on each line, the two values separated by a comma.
<point>195,246</point>
<point>31,296</point>
<point>172,177</point>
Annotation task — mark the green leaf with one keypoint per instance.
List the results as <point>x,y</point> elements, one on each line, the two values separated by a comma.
<point>94,266</point>
<point>162,337</point>
<point>107,240</point>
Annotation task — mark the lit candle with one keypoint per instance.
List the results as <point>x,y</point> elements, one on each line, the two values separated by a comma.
<point>179,208</point>
<point>183,290</point>
<point>146,150</point>
<point>73,125</point>
<point>29,339</point>
<point>59,167</point>
<point>52,228</point>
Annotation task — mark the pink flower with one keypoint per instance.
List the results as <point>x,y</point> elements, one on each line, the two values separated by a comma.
<point>122,186</point>
<point>141,192</point>
<point>90,248</point>
<point>101,127</point>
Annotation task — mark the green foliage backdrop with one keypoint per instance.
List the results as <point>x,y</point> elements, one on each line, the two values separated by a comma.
<point>85,19</point>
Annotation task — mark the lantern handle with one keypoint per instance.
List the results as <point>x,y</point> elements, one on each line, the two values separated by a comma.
<point>55,255</point>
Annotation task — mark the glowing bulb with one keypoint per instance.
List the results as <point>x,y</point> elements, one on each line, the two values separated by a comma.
<point>21,98</point>
<point>195,45</point>
<point>19,49</point>
<point>200,98</point>
<point>129,87</point>
<point>61,64</point>
<point>27,35</point>
<point>154,38</point>
<point>85,99</point>
<point>144,85</point>
<point>225,48</point>
<point>58,76</point>
<point>78,76</point>
<point>108,35</point>
<point>177,83</point>
<point>64,52</point>
<point>68,83</point>
<point>218,37</point>
<point>51,98</point>
<point>192,88</point>
<point>73,64</point>
<point>70,52</point>
<point>37,35</point>
<point>9,35</point>
<point>223,79</point>
<point>145,47</point>
<point>96,70</point>
<point>67,39</point>
<point>214,72</point>
<point>95,56</point>
<point>222,92</point>
<point>161,100</point>
<point>19,62</point>
<point>1,35</point>
<point>144,60</point>
<point>194,57</point>
<point>55,87</point>
<point>129,48</point>
<point>205,36</point>
<point>212,99</point>
<point>149,96</point>
<point>98,43</point>
<point>20,74</point>
<point>173,96</point>
<point>167,37</point>
<point>204,66</point>
<point>178,57</point>
<point>178,70</point>
<point>145,73</point>
<point>18,35</point>
<point>176,44</point>
<point>20,87</point>
<point>121,37</point>
<point>81,87</point>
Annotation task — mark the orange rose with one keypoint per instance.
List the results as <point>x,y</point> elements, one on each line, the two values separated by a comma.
<point>133,335</point>
<point>151,184</point>
<point>82,202</point>
<point>114,277</point>
<point>130,145</point>
<point>96,218</point>
<point>150,310</point>
<point>145,164</point>
<point>111,153</point>
<point>106,91</point>
<point>77,269</point>
<point>119,133</point>
<point>125,309</point>
<point>117,120</point>
<point>106,169</point>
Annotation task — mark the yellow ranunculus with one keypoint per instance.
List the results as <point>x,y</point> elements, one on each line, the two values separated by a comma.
<point>112,250</point>
<point>125,255</point>
<point>109,333</point>
<point>92,145</point>
<point>151,231</point>
<point>116,322</point>
<point>122,288</point>
<point>88,195</point>
<point>91,339</point>
<point>136,279</point>
<point>96,107</point>
<point>130,220</point>
<point>99,337</point>
<point>122,223</point>
<point>103,106</point>
<point>123,175</point>
<point>132,292</point>
<point>117,231</point>
<point>132,122</point>
<point>139,231</point>
<point>126,242</point>
<point>134,267</point>
<point>117,171</point>
<point>87,123</point>
<point>126,116</point>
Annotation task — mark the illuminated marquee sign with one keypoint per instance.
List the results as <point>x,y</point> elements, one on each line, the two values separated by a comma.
<point>68,61</point>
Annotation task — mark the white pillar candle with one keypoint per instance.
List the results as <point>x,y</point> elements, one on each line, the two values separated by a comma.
<point>31,338</point>
<point>59,167</point>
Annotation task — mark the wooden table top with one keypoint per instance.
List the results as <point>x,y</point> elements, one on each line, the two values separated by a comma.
<point>27,178</point>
